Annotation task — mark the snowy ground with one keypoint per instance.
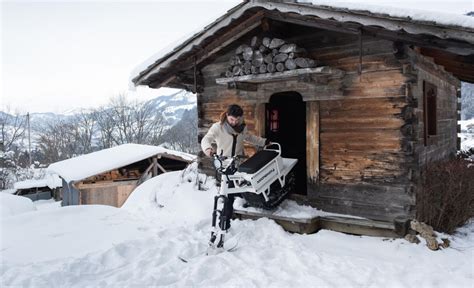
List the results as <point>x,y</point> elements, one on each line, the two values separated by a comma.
<point>467,134</point>
<point>166,217</point>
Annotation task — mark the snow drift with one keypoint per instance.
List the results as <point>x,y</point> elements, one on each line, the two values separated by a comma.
<point>12,205</point>
<point>139,244</point>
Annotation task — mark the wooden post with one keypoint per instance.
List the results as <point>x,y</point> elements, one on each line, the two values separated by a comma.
<point>360,55</point>
<point>155,167</point>
<point>312,141</point>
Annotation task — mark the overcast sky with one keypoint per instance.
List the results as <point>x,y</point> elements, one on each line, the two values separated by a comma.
<point>62,55</point>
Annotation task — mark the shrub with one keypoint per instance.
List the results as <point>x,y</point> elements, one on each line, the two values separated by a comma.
<point>446,199</point>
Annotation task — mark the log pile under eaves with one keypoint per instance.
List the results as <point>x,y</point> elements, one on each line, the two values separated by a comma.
<point>267,55</point>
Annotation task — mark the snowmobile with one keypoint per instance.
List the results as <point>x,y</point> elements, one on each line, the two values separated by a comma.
<point>263,180</point>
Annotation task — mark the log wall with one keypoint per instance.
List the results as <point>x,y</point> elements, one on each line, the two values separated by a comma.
<point>364,166</point>
<point>360,143</point>
<point>444,144</point>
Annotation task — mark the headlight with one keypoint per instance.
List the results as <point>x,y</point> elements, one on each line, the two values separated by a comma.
<point>217,163</point>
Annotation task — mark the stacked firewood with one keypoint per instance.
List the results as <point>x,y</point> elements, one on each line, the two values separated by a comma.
<point>267,55</point>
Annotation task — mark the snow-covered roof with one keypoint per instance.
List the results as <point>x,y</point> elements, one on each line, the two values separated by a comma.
<point>408,13</point>
<point>50,180</point>
<point>413,21</point>
<point>91,164</point>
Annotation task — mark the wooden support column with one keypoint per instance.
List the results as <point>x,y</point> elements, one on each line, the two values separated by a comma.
<point>312,141</point>
<point>260,119</point>
<point>155,167</point>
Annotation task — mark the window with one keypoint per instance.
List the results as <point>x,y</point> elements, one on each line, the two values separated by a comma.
<point>429,111</point>
<point>273,120</point>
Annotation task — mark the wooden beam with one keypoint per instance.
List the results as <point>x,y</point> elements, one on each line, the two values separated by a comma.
<point>276,76</point>
<point>358,226</point>
<point>161,168</point>
<point>314,22</point>
<point>461,48</point>
<point>155,167</point>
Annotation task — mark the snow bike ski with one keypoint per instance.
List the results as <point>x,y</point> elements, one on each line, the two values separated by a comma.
<point>263,180</point>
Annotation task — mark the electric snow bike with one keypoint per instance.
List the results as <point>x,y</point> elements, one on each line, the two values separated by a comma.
<point>263,180</point>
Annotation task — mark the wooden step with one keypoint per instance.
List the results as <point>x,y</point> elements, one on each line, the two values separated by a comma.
<point>350,225</point>
<point>295,225</point>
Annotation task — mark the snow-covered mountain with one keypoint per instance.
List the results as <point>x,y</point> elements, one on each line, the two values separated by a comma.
<point>171,106</point>
<point>174,105</point>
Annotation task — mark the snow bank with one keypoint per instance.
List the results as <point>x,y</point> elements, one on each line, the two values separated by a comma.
<point>172,199</point>
<point>467,134</point>
<point>289,208</point>
<point>138,245</point>
<point>47,204</point>
<point>12,205</point>
<point>66,232</point>
<point>9,191</point>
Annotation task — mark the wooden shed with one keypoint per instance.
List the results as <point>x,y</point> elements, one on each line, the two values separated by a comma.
<point>50,186</point>
<point>363,99</point>
<point>109,176</point>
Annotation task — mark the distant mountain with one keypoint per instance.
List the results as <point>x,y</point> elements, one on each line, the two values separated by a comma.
<point>174,105</point>
<point>470,13</point>
<point>39,120</point>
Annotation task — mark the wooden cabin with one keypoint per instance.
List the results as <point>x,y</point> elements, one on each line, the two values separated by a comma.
<point>362,99</point>
<point>109,176</point>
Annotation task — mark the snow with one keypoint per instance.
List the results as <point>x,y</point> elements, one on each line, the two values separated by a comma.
<point>166,217</point>
<point>409,13</point>
<point>47,204</point>
<point>64,233</point>
<point>87,165</point>
<point>50,180</point>
<point>290,209</point>
<point>173,109</point>
<point>11,205</point>
<point>9,191</point>
<point>467,134</point>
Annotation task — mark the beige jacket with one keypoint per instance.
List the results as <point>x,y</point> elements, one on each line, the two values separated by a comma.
<point>217,134</point>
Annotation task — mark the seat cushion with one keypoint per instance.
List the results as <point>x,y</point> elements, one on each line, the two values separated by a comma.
<point>257,161</point>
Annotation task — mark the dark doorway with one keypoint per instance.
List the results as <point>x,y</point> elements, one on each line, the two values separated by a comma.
<point>286,124</point>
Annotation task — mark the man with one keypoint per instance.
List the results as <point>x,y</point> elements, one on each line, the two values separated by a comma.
<point>229,134</point>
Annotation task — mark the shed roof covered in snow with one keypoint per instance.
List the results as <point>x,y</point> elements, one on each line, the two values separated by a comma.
<point>50,180</point>
<point>91,164</point>
<point>451,35</point>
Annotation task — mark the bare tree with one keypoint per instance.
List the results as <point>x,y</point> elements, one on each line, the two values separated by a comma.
<point>58,141</point>
<point>122,116</point>
<point>129,122</point>
<point>12,128</point>
<point>183,135</point>
<point>12,132</point>
<point>149,124</point>
<point>106,127</point>
<point>85,123</point>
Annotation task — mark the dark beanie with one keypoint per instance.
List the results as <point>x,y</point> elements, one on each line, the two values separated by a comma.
<point>235,110</point>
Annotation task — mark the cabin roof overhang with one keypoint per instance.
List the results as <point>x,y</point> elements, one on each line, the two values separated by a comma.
<point>449,45</point>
